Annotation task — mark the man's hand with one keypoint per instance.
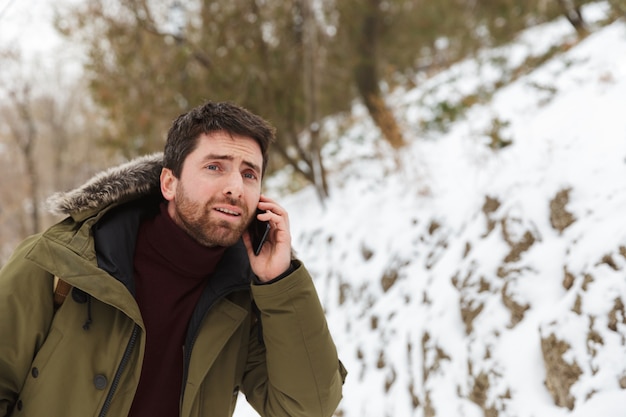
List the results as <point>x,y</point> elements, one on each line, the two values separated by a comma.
<point>275,256</point>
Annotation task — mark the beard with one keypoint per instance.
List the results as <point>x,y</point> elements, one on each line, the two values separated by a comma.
<point>197,220</point>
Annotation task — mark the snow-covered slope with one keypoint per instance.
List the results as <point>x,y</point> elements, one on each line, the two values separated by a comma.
<point>465,281</point>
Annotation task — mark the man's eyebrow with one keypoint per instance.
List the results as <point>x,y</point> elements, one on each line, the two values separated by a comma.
<point>253,166</point>
<point>212,156</point>
<point>249,164</point>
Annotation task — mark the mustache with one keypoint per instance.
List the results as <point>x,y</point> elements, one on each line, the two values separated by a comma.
<point>229,201</point>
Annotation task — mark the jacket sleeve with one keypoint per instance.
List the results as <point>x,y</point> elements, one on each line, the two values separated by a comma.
<point>295,370</point>
<point>25,315</point>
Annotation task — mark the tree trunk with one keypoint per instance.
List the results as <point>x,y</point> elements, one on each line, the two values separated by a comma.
<point>366,75</point>
<point>296,162</point>
<point>311,94</point>
<point>574,16</point>
<point>25,141</point>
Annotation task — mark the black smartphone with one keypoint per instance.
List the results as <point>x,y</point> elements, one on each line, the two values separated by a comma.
<point>258,232</point>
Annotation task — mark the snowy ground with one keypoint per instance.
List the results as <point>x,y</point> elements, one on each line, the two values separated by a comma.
<point>403,256</point>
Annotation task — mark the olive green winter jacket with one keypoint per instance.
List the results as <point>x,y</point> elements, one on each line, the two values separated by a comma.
<point>85,359</point>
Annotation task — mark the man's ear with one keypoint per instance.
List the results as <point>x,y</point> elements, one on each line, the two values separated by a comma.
<point>168,184</point>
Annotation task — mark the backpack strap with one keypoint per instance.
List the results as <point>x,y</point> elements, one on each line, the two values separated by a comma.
<point>61,290</point>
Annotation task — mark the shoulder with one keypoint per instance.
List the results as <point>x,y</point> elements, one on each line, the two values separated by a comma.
<point>24,278</point>
<point>137,177</point>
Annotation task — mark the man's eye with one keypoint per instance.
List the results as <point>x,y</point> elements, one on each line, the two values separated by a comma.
<point>212,167</point>
<point>249,175</point>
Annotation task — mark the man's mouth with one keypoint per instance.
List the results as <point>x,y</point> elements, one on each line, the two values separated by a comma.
<point>227,211</point>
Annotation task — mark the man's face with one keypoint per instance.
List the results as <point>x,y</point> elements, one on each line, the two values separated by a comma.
<point>219,188</point>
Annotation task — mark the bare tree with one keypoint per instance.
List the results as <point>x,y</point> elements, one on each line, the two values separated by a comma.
<point>366,72</point>
<point>46,139</point>
<point>311,68</point>
<point>263,55</point>
<point>24,132</point>
<point>573,13</point>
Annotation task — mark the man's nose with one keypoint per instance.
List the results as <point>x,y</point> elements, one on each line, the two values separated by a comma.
<point>234,185</point>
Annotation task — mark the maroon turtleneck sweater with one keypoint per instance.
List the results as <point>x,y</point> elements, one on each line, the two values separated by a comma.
<point>171,270</point>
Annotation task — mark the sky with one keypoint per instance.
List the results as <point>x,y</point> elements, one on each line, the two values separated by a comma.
<point>404,250</point>
<point>27,25</point>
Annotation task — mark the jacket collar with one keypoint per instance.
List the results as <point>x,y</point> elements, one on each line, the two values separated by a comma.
<point>136,178</point>
<point>137,182</point>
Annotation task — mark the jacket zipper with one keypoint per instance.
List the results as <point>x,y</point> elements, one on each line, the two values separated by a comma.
<point>188,349</point>
<point>120,370</point>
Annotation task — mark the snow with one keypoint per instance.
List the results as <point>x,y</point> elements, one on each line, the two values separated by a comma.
<point>419,278</point>
<point>409,343</point>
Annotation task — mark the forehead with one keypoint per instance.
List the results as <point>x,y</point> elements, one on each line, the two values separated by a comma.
<point>225,144</point>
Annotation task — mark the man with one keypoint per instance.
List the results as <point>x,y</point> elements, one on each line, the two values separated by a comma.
<point>170,311</point>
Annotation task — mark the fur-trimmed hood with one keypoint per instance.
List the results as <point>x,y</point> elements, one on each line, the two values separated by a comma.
<point>140,176</point>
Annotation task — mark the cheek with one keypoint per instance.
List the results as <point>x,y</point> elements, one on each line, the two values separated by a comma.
<point>253,199</point>
<point>205,188</point>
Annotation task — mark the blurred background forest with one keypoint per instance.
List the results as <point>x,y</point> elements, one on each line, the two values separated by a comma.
<point>295,62</point>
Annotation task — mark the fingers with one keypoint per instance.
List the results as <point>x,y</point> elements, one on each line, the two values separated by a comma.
<point>275,255</point>
<point>275,214</point>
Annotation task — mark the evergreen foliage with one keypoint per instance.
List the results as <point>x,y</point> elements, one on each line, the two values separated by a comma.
<point>293,62</point>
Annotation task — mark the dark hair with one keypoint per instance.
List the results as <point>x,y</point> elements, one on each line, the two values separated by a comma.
<point>182,138</point>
